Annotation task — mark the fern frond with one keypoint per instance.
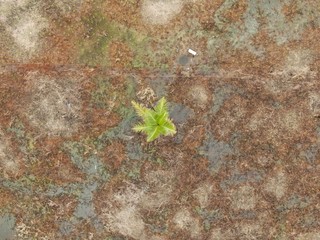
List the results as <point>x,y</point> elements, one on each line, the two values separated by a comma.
<point>169,128</point>
<point>154,134</point>
<point>162,106</point>
<point>140,127</point>
<point>141,110</point>
<point>150,117</point>
<point>162,118</point>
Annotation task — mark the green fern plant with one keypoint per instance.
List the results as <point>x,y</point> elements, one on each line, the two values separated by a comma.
<point>156,121</point>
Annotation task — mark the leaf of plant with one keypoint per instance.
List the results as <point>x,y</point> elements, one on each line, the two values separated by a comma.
<point>161,107</point>
<point>150,117</point>
<point>162,118</point>
<point>154,134</point>
<point>141,110</point>
<point>169,127</point>
<point>141,128</point>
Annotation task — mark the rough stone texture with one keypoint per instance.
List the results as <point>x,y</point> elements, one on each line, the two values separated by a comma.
<point>244,163</point>
<point>7,223</point>
<point>277,185</point>
<point>184,221</point>
<point>243,198</point>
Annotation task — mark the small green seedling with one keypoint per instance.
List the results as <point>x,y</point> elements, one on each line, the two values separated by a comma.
<point>156,121</point>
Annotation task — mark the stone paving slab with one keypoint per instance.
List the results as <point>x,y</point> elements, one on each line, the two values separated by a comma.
<point>244,163</point>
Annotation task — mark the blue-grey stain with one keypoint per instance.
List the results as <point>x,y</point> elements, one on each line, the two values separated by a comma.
<point>7,223</point>
<point>180,113</point>
<point>261,16</point>
<point>66,228</point>
<point>183,60</point>
<point>85,208</point>
<point>216,152</point>
<point>161,83</point>
<point>246,214</point>
<point>294,202</point>
<point>90,165</point>
<point>221,94</point>
<point>134,151</point>
<point>84,211</point>
<point>238,178</point>
<point>311,154</point>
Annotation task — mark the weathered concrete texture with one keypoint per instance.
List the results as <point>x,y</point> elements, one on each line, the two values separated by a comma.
<point>7,223</point>
<point>245,162</point>
<point>216,152</point>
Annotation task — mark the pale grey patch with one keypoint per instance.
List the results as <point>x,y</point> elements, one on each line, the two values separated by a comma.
<point>308,236</point>
<point>7,223</point>
<point>55,104</point>
<point>203,194</point>
<point>199,95</point>
<point>160,12</point>
<point>66,228</point>
<point>310,154</point>
<point>238,178</point>
<point>314,103</point>
<point>259,16</point>
<point>134,151</point>
<point>293,202</point>
<point>180,113</point>
<point>24,26</point>
<point>243,198</point>
<point>216,152</point>
<point>297,65</point>
<point>277,185</point>
<point>66,6</point>
<point>8,163</point>
<point>121,215</point>
<point>185,221</point>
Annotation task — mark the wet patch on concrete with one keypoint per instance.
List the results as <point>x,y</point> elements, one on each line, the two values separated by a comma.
<point>216,152</point>
<point>7,224</point>
<point>244,163</point>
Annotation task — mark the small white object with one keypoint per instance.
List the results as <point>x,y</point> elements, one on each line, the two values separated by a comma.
<point>192,52</point>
